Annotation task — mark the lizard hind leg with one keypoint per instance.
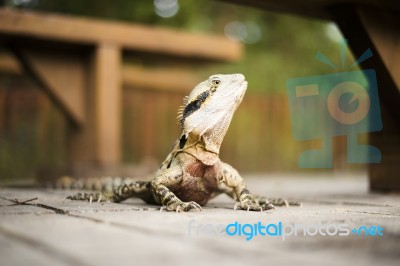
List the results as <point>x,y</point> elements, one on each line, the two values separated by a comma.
<point>137,189</point>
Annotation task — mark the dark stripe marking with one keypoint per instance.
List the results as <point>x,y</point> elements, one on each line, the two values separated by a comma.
<point>168,198</point>
<point>182,142</point>
<point>193,106</point>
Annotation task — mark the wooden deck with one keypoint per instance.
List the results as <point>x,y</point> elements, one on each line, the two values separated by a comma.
<point>53,232</point>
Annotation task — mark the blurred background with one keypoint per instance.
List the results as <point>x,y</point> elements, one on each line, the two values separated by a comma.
<point>35,133</point>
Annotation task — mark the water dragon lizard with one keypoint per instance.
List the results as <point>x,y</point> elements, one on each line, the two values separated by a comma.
<point>193,173</point>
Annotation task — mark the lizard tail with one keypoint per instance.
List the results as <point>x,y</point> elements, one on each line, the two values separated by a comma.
<point>106,184</point>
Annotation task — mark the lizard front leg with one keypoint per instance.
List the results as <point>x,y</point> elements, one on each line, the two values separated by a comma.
<point>231,178</point>
<point>169,177</point>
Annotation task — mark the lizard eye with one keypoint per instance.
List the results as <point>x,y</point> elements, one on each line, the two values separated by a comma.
<point>215,82</point>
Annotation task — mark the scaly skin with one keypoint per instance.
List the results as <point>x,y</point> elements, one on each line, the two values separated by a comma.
<point>193,172</point>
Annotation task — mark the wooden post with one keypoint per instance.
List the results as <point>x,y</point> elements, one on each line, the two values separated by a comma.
<point>370,28</point>
<point>108,108</point>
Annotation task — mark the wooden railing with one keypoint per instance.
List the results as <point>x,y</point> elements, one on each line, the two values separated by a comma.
<point>34,133</point>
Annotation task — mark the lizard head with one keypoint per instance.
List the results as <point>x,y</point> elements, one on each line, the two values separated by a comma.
<point>207,111</point>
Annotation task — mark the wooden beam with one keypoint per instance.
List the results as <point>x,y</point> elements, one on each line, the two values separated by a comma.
<point>70,29</point>
<point>352,24</point>
<point>64,75</point>
<point>8,64</point>
<point>108,109</point>
<point>135,77</point>
<point>383,29</point>
<point>60,76</point>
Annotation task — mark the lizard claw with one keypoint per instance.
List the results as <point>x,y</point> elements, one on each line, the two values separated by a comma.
<point>283,202</point>
<point>262,200</point>
<point>184,206</point>
<point>251,205</point>
<point>268,206</point>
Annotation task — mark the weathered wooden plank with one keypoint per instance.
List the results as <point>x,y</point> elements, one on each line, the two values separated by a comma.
<point>102,233</point>
<point>81,241</point>
<point>134,37</point>
<point>13,252</point>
